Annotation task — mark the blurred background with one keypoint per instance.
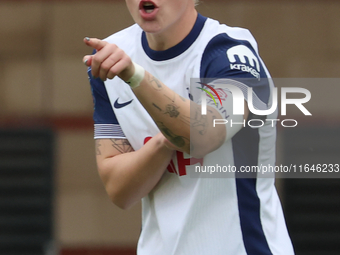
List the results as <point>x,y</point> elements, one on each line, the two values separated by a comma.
<point>51,198</point>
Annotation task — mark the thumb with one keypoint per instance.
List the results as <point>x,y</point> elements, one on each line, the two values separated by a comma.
<point>87,60</point>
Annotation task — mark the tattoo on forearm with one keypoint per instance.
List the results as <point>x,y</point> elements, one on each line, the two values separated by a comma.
<point>156,106</point>
<point>172,110</point>
<point>177,140</point>
<point>173,99</point>
<point>185,119</point>
<point>97,145</point>
<point>122,145</point>
<point>155,83</point>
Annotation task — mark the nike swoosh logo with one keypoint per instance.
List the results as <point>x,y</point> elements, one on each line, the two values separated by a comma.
<point>118,105</point>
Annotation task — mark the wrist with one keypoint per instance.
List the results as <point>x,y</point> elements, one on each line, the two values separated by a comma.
<point>137,76</point>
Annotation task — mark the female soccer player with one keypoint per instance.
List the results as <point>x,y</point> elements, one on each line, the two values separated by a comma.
<point>150,134</point>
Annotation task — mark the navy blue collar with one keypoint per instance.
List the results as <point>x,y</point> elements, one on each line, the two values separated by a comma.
<point>177,49</point>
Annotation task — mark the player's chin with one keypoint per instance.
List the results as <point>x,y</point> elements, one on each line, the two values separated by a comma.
<point>150,27</point>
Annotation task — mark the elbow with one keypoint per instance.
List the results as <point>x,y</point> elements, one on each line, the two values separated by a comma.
<point>197,152</point>
<point>200,153</point>
<point>121,201</point>
<point>203,147</point>
<point>118,194</point>
<point>124,207</point>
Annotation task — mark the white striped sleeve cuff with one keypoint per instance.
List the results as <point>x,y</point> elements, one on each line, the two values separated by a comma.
<point>108,131</point>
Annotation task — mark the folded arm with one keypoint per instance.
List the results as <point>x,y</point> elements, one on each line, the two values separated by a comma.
<point>130,175</point>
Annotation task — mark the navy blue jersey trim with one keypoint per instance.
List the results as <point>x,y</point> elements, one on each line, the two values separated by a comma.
<point>246,151</point>
<point>177,49</point>
<point>103,112</point>
<point>216,64</point>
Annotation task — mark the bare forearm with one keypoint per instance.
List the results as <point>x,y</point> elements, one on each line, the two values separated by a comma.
<point>130,176</point>
<point>186,128</point>
<point>170,111</point>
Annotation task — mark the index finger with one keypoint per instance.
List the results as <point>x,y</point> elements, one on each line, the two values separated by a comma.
<point>95,43</point>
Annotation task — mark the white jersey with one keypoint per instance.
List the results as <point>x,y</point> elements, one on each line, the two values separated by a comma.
<point>183,215</point>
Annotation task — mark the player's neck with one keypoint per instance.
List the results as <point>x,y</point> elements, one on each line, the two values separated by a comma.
<point>174,34</point>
